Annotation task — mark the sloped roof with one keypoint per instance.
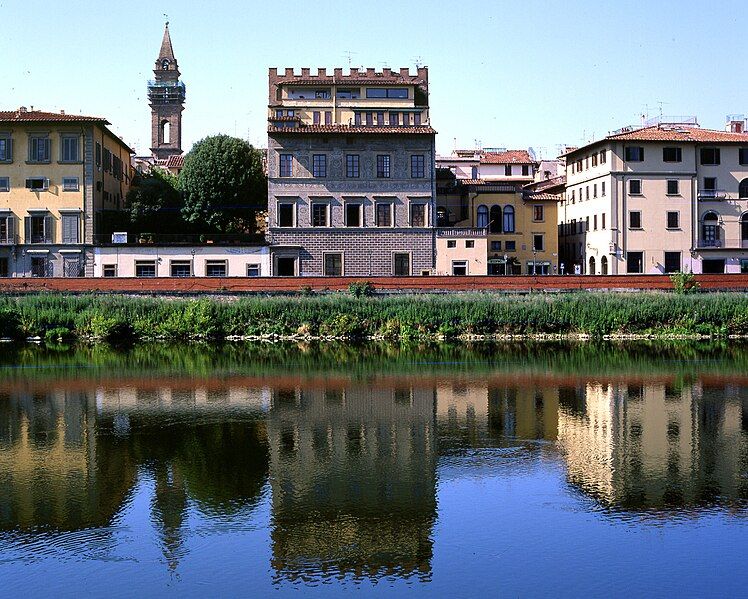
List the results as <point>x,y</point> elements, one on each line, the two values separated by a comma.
<point>423,130</point>
<point>508,157</point>
<point>166,50</point>
<point>29,116</point>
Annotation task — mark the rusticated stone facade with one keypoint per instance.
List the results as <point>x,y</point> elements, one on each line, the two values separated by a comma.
<point>368,249</point>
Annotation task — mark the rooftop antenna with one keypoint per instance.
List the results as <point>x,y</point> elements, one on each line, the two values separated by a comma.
<point>660,103</point>
<point>419,61</point>
<point>349,55</point>
<point>166,18</point>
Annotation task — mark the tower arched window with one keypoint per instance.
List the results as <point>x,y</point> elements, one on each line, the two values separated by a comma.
<point>482,220</point>
<point>165,132</point>
<point>495,222</point>
<point>743,189</point>
<point>744,229</point>
<point>165,64</point>
<point>509,219</point>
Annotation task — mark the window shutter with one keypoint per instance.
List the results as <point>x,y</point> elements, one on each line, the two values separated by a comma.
<point>10,149</point>
<point>11,228</point>
<point>27,229</point>
<point>49,229</point>
<point>70,228</point>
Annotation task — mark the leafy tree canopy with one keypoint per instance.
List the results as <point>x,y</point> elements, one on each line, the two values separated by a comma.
<point>223,183</point>
<point>154,194</point>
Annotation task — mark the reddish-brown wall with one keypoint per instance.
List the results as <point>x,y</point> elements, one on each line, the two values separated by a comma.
<point>732,282</point>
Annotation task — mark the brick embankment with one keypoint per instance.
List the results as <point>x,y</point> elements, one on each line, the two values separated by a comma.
<point>197,285</point>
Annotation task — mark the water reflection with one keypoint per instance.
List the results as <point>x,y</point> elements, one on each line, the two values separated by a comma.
<point>348,461</point>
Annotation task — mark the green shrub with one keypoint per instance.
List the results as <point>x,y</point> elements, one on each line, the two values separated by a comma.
<point>361,289</point>
<point>10,324</point>
<point>684,282</point>
<point>59,335</point>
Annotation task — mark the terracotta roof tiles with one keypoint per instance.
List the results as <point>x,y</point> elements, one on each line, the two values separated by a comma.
<point>422,130</point>
<point>508,157</point>
<point>29,116</point>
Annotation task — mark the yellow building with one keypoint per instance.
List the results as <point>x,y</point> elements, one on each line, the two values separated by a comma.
<point>61,178</point>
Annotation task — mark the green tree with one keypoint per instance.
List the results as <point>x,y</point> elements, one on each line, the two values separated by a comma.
<point>223,184</point>
<point>155,194</point>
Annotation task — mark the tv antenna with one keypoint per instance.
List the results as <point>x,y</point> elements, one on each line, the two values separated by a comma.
<point>349,55</point>
<point>419,61</point>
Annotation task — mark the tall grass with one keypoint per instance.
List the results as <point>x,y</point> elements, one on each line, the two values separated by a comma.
<point>403,317</point>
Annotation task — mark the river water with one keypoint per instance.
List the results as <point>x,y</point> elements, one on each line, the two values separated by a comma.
<point>281,470</point>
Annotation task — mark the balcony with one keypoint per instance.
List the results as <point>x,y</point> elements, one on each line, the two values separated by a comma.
<point>713,195</point>
<point>730,243</point>
<point>461,232</point>
<point>8,238</point>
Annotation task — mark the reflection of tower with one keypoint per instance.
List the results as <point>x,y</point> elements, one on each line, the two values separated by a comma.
<point>169,509</point>
<point>353,481</point>
<point>166,95</point>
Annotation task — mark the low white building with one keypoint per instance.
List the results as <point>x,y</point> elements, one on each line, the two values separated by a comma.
<point>151,260</point>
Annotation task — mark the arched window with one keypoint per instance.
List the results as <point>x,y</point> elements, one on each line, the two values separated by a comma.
<point>165,132</point>
<point>744,229</point>
<point>482,221</point>
<point>604,265</point>
<point>591,271</point>
<point>509,219</point>
<point>165,64</point>
<point>494,225</point>
<point>710,230</point>
<point>743,189</point>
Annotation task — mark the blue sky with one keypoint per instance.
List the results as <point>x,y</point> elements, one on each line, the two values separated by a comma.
<point>533,73</point>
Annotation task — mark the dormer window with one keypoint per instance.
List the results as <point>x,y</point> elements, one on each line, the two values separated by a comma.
<point>165,64</point>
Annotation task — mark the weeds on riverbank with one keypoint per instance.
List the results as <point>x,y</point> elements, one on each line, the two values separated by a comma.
<point>115,318</point>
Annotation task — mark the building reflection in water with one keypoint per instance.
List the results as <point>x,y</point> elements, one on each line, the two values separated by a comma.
<point>655,447</point>
<point>353,476</point>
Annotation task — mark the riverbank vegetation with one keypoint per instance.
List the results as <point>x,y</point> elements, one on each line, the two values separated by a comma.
<point>413,317</point>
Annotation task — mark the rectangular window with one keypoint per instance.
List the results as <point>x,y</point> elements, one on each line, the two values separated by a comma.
<point>418,166</point>
<point>673,220</point>
<point>253,270</point>
<point>594,160</point>
<point>635,187</point>
<point>316,117</point>
<point>507,170</point>
<point>107,161</point>
<point>672,155</point>
<point>743,266</point>
<point>603,156</point>
<point>510,246</point>
<point>406,119</point>
<point>742,156</point>
<point>469,243</point>
<point>286,215</point>
<point>594,190</point>
<point>579,165</point>
<point>320,211</point>
<point>709,156</point>
<point>525,170</point>
<point>353,215</point>
<point>328,117</point>
<point>418,215</point>
<point>145,268</point>
<point>634,154</point>
<point>333,265</point>
<point>98,154</point>
<point>538,213</point>
<point>286,165</point>
<point>394,119</point>
<point>319,165</point>
<point>594,222</point>
<point>672,187</point>
<point>602,189</point>
<point>380,119</point>
<point>215,268</point>
<point>495,246</point>
<point>180,268</point>
<point>6,154</point>
<point>402,265</point>
<point>70,228</point>
<point>538,242</point>
<point>672,261</point>
<point>109,270</point>
<point>587,192</point>
<point>710,183</point>
<point>459,268</point>
<point>602,224</point>
<point>37,183</point>
<point>4,183</point>
<point>573,198</point>
<point>7,229</point>
<point>635,219</point>
<point>70,184</point>
<point>357,119</point>
<point>352,170</point>
<point>635,262</point>
<point>39,149</point>
<point>376,92</point>
<point>451,243</point>
<point>69,148</point>
<point>348,94</point>
<point>416,119</point>
<point>384,214</point>
<point>383,166</point>
<point>369,119</point>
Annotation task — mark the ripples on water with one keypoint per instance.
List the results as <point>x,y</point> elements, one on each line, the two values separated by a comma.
<point>184,470</point>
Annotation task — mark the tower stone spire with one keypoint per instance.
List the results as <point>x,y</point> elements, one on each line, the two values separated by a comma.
<point>166,96</point>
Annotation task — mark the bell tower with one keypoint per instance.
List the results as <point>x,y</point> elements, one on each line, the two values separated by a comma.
<point>166,96</point>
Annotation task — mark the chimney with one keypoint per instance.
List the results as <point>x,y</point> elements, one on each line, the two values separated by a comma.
<point>321,72</point>
<point>62,112</point>
<point>23,110</point>
<point>735,123</point>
